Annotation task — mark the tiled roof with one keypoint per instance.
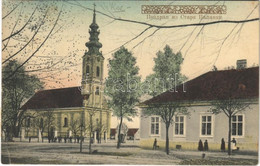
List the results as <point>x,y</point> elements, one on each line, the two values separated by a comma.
<point>55,98</point>
<point>214,85</point>
<point>130,131</point>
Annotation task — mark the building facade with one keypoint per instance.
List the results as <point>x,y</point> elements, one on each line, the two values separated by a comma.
<point>70,112</point>
<point>200,123</point>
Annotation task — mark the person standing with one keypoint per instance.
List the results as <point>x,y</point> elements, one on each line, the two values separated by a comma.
<point>234,144</point>
<point>200,146</point>
<point>155,144</point>
<point>206,146</point>
<point>223,148</point>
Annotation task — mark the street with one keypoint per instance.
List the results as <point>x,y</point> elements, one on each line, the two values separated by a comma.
<point>106,153</point>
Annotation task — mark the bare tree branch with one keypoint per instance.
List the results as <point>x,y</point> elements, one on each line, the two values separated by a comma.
<point>37,48</point>
<point>130,40</point>
<point>16,23</point>
<point>193,41</point>
<point>36,32</point>
<point>17,32</point>
<point>146,38</point>
<point>11,11</point>
<point>170,26</point>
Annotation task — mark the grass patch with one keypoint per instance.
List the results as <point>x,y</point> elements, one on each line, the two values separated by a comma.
<point>218,162</point>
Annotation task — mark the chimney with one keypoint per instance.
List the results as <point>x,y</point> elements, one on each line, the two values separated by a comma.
<point>241,64</point>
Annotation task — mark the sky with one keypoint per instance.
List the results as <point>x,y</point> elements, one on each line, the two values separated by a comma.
<point>60,58</point>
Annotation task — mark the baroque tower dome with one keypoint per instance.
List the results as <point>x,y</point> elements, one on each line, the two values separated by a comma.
<point>93,44</point>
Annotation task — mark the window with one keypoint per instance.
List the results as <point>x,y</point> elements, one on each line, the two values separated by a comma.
<point>87,70</point>
<point>206,125</point>
<point>237,125</point>
<point>65,122</point>
<point>97,71</point>
<point>179,125</point>
<point>155,125</point>
<point>97,91</point>
<point>97,122</point>
<point>27,122</point>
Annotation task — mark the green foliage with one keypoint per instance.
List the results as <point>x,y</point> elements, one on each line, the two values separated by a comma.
<point>122,85</point>
<point>166,76</point>
<point>15,91</point>
<point>167,72</point>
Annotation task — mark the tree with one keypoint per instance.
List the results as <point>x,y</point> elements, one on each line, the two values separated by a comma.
<point>166,76</point>
<point>16,90</point>
<point>48,119</point>
<point>75,127</point>
<point>40,123</point>
<point>90,127</point>
<point>166,72</point>
<point>166,112</point>
<point>229,100</point>
<point>121,86</point>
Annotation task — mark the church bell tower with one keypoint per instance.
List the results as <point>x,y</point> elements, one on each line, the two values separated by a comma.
<point>92,70</point>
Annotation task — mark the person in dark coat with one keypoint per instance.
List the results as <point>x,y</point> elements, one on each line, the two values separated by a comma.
<point>200,147</point>
<point>223,148</point>
<point>59,139</point>
<point>206,146</point>
<point>155,144</point>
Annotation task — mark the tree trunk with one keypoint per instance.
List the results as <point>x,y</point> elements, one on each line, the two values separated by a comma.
<point>229,135</point>
<point>90,134</point>
<point>49,135</point>
<point>119,133</point>
<point>167,139</point>
<point>80,149</point>
<point>100,137</point>
<point>90,139</point>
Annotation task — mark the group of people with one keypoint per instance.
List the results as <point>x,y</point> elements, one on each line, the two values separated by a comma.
<point>233,145</point>
<point>66,139</point>
<point>69,139</point>
<point>222,147</point>
<point>205,147</point>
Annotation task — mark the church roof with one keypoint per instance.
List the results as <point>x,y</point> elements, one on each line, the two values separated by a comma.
<point>55,98</point>
<point>214,85</point>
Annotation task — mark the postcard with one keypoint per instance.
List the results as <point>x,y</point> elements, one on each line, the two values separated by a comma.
<point>130,82</point>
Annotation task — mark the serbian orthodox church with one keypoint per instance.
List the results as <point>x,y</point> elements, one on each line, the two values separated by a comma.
<point>73,111</point>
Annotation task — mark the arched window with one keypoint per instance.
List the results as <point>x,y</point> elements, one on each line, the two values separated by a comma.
<point>97,121</point>
<point>98,71</point>
<point>87,70</point>
<point>65,122</point>
<point>97,91</point>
